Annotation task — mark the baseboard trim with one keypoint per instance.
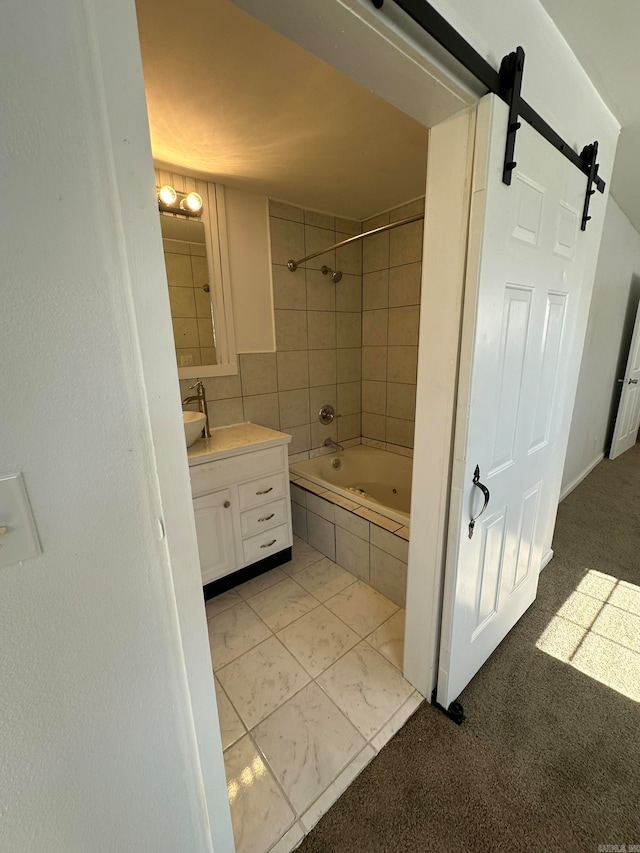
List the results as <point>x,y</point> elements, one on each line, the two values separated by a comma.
<point>546,559</point>
<point>574,483</point>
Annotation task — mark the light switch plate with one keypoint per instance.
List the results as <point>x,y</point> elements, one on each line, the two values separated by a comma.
<point>20,540</point>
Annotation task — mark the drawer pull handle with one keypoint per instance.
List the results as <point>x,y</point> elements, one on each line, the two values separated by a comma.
<point>269,544</point>
<point>265,491</point>
<point>226,504</point>
<point>266,517</point>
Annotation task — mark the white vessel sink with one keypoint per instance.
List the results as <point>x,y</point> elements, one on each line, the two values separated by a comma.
<point>193,423</point>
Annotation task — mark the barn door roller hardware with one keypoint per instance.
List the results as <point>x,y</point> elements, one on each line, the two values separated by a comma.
<point>506,84</point>
<point>455,711</point>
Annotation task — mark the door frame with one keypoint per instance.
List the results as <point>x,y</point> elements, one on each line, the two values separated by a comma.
<point>626,380</point>
<point>112,36</point>
<point>442,312</point>
<point>391,58</point>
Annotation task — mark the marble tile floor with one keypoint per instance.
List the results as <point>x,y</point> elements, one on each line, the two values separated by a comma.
<point>307,662</point>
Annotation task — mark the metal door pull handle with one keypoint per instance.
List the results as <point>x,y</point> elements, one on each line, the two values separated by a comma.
<point>633,382</point>
<point>266,517</point>
<point>487,495</point>
<point>265,491</point>
<point>269,544</point>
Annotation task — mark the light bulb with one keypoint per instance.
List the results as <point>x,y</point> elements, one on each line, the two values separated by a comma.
<point>192,202</point>
<point>167,195</point>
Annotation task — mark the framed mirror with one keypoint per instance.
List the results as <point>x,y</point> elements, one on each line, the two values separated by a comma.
<point>196,261</point>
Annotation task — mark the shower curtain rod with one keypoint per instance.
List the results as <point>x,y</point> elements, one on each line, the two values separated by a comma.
<point>293,265</point>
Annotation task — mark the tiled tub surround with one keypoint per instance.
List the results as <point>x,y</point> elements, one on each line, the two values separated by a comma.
<point>307,661</point>
<point>318,325</point>
<point>261,394</point>
<point>318,340</point>
<point>370,546</point>
<point>391,266</point>
<point>319,337</point>
<point>368,476</point>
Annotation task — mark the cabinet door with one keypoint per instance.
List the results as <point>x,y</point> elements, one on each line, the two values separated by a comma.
<point>214,526</point>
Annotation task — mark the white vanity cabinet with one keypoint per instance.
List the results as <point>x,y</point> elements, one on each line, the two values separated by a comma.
<point>214,529</point>
<point>240,489</point>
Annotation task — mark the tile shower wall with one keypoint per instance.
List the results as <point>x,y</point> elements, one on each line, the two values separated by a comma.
<point>390,317</point>
<point>352,345</point>
<point>318,339</point>
<point>318,325</point>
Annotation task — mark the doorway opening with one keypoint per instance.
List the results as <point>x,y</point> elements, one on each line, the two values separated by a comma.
<point>308,656</point>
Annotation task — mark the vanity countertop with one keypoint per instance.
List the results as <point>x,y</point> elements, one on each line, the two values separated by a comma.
<point>234,440</point>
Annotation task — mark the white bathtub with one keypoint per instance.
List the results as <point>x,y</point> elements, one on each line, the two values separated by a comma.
<point>373,478</point>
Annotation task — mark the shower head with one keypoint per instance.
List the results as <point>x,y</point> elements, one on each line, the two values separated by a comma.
<point>336,275</point>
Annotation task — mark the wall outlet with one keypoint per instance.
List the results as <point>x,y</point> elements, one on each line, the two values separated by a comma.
<point>186,360</point>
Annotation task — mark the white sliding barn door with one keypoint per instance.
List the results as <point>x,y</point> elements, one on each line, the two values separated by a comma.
<point>518,375</point>
<point>625,432</point>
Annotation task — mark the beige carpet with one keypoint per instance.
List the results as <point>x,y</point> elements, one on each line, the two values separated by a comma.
<point>549,756</point>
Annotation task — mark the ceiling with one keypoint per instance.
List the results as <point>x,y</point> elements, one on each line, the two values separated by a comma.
<point>231,99</point>
<point>604,37</point>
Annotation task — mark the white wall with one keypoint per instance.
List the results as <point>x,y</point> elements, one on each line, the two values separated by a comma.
<point>109,728</point>
<point>614,303</point>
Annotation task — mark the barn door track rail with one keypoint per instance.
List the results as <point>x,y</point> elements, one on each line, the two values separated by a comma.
<point>506,84</point>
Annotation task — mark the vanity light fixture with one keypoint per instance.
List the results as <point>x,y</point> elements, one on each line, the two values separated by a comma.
<point>191,203</point>
<point>167,195</point>
<point>169,199</point>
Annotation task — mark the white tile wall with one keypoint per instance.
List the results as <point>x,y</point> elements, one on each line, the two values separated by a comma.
<point>352,345</point>
<point>390,318</point>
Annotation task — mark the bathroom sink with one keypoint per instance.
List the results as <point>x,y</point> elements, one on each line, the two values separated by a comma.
<point>193,423</point>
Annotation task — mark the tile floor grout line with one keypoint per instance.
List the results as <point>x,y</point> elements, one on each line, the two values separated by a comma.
<point>320,604</point>
<point>213,615</point>
<point>293,694</point>
<point>246,651</point>
<point>343,588</point>
<point>296,821</point>
<point>293,620</point>
<point>333,779</point>
<point>375,590</point>
<point>337,776</point>
<point>312,677</point>
<point>367,742</point>
<point>244,726</point>
<point>217,669</point>
<point>296,817</point>
<point>390,717</point>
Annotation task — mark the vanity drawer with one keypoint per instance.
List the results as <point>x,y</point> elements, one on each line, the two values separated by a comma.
<point>223,472</point>
<point>263,517</point>
<point>262,491</point>
<point>269,542</point>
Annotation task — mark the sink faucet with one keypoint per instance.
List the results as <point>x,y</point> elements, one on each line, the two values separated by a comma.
<point>200,398</point>
<point>329,442</point>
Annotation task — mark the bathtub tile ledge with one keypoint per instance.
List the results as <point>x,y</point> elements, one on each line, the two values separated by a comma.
<point>310,487</point>
<point>379,520</point>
